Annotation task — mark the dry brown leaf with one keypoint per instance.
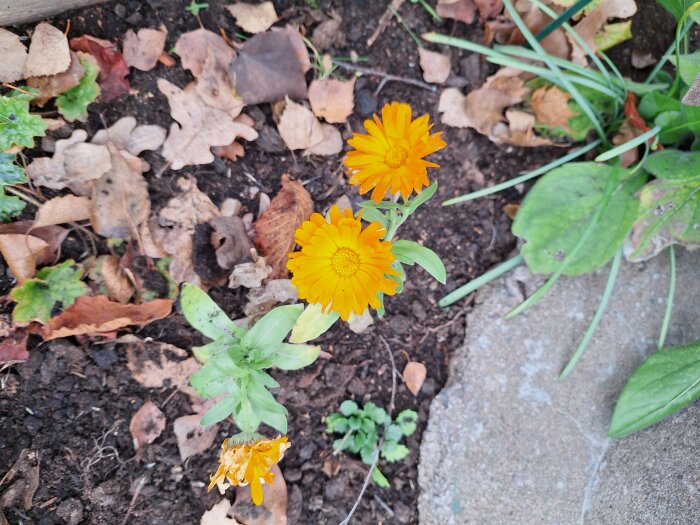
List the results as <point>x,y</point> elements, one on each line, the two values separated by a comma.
<point>329,33</point>
<point>519,131</point>
<point>155,365</point>
<point>143,50</point>
<point>230,241</point>
<point>332,99</point>
<point>192,49</point>
<point>511,210</point>
<point>53,85</point>
<point>273,510</point>
<point>13,342</point>
<point>253,18</point>
<point>201,127</point>
<point>215,88</point>
<point>414,376</point>
<point>120,199</point>
<point>298,127</point>
<point>268,68</point>
<point>27,465</point>
<point>127,135</point>
<point>331,143</point>
<point>489,8</point>
<point>113,68</point>
<point>21,252</point>
<point>436,66</point>
<point>625,133</point>
<point>594,21</point>
<point>146,425</point>
<point>218,515</point>
<point>193,438</point>
<point>274,230</point>
<point>111,279</point>
<point>231,152</point>
<point>262,300</point>
<point>298,45</point>
<point>250,274</point>
<point>642,59</point>
<point>551,107</point>
<point>60,210</point>
<point>97,314</point>
<point>360,323</point>
<point>460,10</point>
<point>14,57</point>
<point>49,53</point>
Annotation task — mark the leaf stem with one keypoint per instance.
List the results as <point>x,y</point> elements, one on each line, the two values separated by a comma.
<point>669,300</point>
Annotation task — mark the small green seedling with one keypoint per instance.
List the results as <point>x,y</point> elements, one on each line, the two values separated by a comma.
<point>362,429</point>
<point>196,7</point>
<point>10,174</point>
<point>17,126</point>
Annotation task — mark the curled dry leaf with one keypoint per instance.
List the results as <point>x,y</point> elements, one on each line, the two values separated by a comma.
<point>273,510</point>
<point>360,323</point>
<point>250,274</point>
<point>253,18</point>
<point>274,230</point>
<point>268,68</point>
<point>53,85</point>
<point>97,314</point>
<point>143,49</point>
<point>551,107</point>
<point>594,22</point>
<point>436,66</point>
<point>201,127</point>
<point>218,515</point>
<point>23,252</point>
<point>414,376</point>
<point>262,300</point>
<point>460,10</point>
<point>49,53</point>
<point>193,438</point>
<point>489,8</point>
<point>111,279</point>
<point>230,241</point>
<point>146,425</point>
<point>332,99</point>
<point>120,199</point>
<point>128,136</point>
<point>215,88</point>
<point>328,33</point>
<point>113,68</point>
<point>60,210</point>
<point>192,49</point>
<point>14,57</point>
<point>519,131</point>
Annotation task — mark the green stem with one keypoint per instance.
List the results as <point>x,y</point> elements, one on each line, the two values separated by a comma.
<point>669,299</point>
<point>477,283</point>
<point>609,287</point>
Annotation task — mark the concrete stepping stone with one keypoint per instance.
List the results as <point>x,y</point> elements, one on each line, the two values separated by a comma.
<point>509,443</point>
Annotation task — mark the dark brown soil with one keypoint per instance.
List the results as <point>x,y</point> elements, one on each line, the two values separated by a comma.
<point>72,404</point>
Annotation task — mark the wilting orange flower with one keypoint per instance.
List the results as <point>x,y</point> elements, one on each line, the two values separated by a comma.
<point>390,157</point>
<point>249,463</point>
<point>340,265</point>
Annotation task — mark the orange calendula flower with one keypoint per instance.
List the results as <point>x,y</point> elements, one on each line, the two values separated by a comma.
<point>249,463</point>
<point>390,157</point>
<point>340,265</point>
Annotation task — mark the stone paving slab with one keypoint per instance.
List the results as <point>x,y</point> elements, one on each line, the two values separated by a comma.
<point>509,443</point>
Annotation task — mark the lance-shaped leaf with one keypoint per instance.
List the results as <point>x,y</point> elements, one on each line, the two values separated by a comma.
<point>269,332</point>
<point>206,316</point>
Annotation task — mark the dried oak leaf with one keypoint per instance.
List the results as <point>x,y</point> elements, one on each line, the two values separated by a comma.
<point>49,53</point>
<point>97,314</point>
<point>551,107</point>
<point>460,10</point>
<point>300,129</point>
<point>60,210</point>
<point>273,510</point>
<point>274,230</point>
<point>332,99</point>
<point>126,135</point>
<point>268,68</point>
<point>215,87</point>
<point>201,127</point>
<point>436,66</point>
<point>143,49</point>
<point>250,274</point>
<point>113,68</point>
<point>192,48</point>
<point>120,199</point>
<point>14,57</point>
<point>193,438</point>
<point>253,18</point>
<point>146,424</point>
<point>414,376</point>
<point>53,85</point>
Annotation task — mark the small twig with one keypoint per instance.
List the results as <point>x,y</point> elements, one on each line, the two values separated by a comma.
<point>386,77</point>
<point>383,505</point>
<point>375,459</point>
<point>22,195</point>
<point>339,448</point>
<point>384,21</point>
<point>137,491</point>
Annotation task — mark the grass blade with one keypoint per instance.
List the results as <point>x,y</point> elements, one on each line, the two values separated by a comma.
<point>609,287</point>
<point>622,148</point>
<point>669,300</point>
<point>480,281</point>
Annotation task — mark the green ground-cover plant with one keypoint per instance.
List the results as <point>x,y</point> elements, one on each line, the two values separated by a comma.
<point>581,216</point>
<point>361,429</point>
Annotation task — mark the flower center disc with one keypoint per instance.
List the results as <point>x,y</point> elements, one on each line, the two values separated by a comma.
<point>345,262</point>
<point>395,157</point>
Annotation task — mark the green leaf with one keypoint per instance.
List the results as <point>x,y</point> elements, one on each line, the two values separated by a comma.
<point>378,414</point>
<point>373,214</point>
<point>205,315</point>
<point>293,357</point>
<point>678,7</point>
<point>393,451</point>
<point>53,289</point>
<point>348,407</point>
<point>245,416</point>
<point>269,332</point>
<point>689,67</point>
<point>220,411</point>
<point>653,104</point>
<point>407,421</point>
<point>10,172</point>
<point>410,252</point>
<point>203,353</point>
<point>367,454</point>
<point>312,323</point>
<point>612,35</point>
<point>17,126</point>
<point>558,209</point>
<point>267,408</point>
<point>73,103</point>
<point>673,164</point>
<point>393,432</point>
<point>424,196</point>
<point>669,213</point>
<point>335,423</point>
<point>10,206</point>
<point>666,382</point>
<point>379,478</point>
